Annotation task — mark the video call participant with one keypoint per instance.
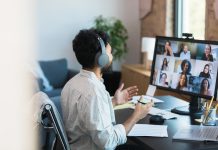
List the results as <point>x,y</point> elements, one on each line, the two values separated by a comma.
<point>183,83</point>
<point>205,73</point>
<point>164,66</point>
<point>186,67</point>
<point>163,80</point>
<point>155,76</point>
<point>210,68</point>
<point>185,54</point>
<point>87,107</point>
<point>207,53</point>
<point>168,50</point>
<point>205,87</point>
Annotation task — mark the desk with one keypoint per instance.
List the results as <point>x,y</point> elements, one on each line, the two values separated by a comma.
<point>156,143</point>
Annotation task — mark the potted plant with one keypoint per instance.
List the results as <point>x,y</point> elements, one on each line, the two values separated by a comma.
<point>117,32</point>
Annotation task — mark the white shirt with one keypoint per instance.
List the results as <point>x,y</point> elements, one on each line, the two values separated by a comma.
<point>88,114</point>
<point>184,55</point>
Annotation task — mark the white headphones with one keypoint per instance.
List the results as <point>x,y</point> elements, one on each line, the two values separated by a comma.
<point>103,58</point>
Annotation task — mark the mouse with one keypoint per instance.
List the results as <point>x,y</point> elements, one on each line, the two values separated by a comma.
<point>156,119</point>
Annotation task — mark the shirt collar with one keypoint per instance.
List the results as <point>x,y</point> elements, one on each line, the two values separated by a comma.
<point>90,74</point>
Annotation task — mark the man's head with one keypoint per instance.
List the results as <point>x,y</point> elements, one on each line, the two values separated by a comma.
<point>88,46</point>
<point>185,48</point>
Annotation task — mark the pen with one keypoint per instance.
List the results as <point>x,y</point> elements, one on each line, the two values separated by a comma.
<point>144,102</point>
<point>210,103</point>
<point>216,106</point>
<point>208,109</point>
<point>141,98</point>
<point>141,102</point>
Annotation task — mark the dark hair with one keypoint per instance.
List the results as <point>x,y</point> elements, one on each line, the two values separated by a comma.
<point>202,85</point>
<point>86,46</point>
<point>162,67</point>
<point>161,75</point>
<point>207,65</point>
<point>186,81</point>
<point>168,42</point>
<point>183,65</point>
<point>209,47</point>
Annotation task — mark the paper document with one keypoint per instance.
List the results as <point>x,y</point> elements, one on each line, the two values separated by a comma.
<point>198,133</point>
<point>126,105</point>
<point>149,130</point>
<point>164,113</point>
<point>151,90</point>
<point>146,99</point>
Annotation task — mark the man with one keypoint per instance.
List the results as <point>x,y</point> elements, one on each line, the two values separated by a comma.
<point>185,54</point>
<point>87,107</point>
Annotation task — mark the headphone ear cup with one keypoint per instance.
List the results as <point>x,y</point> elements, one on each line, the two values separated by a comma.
<point>103,60</point>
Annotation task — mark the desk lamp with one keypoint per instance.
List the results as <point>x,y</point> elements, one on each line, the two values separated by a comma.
<point>148,44</point>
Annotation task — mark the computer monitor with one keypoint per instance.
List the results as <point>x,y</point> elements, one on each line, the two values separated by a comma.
<point>186,66</point>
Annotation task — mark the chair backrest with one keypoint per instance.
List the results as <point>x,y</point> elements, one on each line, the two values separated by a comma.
<point>50,119</point>
<point>57,67</point>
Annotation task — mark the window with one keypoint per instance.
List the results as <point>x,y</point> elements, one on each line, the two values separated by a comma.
<point>190,18</point>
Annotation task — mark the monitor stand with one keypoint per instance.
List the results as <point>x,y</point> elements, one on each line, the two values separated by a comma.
<point>194,107</point>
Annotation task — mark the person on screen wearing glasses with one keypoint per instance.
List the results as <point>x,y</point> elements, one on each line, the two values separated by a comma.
<point>87,107</point>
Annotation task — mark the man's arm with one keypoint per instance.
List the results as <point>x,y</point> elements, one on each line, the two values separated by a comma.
<point>140,112</point>
<point>122,96</point>
<point>95,117</point>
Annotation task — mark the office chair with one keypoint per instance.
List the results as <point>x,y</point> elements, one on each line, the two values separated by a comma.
<point>51,121</point>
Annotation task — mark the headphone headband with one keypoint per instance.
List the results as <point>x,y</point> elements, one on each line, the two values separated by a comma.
<point>103,58</point>
<point>103,50</point>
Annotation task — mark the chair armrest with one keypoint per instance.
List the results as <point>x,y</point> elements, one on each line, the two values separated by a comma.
<point>40,84</point>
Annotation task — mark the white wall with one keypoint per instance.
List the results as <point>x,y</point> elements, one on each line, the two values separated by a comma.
<point>60,20</point>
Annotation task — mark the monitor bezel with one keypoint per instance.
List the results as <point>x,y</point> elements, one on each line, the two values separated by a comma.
<point>181,40</point>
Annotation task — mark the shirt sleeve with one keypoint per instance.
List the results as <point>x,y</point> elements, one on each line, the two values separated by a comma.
<point>95,117</point>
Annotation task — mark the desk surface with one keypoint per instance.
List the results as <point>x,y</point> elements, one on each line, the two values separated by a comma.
<point>174,125</point>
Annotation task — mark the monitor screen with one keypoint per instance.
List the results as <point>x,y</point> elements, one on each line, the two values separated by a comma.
<point>186,66</point>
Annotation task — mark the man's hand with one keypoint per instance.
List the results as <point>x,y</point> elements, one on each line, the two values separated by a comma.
<point>122,96</point>
<point>141,110</point>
